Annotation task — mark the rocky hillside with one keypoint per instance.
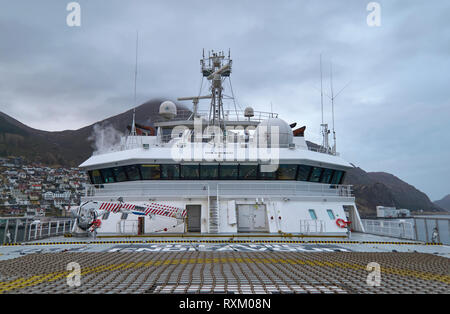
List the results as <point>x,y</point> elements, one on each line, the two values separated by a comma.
<point>65,148</point>
<point>444,203</point>
<point>379,188</point>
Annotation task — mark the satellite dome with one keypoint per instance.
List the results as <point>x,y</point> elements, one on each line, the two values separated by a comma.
<point>248,112</point>
<point>168,109</point>
<point>275,127</point>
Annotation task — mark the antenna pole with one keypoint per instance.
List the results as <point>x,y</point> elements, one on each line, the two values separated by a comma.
<point>135,68</point>
<point>131,143</point>
<point>321,86</point>
<point>332,107</point>
<point>324,126</point>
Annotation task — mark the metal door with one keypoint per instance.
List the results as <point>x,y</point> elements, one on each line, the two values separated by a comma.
<point>244,218</point>
<point>141,225</point>
<point>193,218</point>
<point>259,218</point>
<point>252,218</point>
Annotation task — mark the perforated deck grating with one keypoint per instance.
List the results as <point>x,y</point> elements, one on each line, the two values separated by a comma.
<point>225,272</point>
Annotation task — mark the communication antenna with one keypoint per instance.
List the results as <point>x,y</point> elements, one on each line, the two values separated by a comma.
<point>321,86</point>
<point>323,126</point>
<point>133,135</point>
<point>333,97</point>
<point>135,67</point>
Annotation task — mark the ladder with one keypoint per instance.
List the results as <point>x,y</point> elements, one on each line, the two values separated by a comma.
<point>213,215</point>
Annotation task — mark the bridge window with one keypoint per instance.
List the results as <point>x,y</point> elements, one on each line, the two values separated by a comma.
<point>312,213</point>
<point>316,174</point>
<point>108,175</point>
<point>248,172</point>
<point>337,177</point>
<point>170,172</point>
<point>209,172</point>
<point>189,172</point>
<point>95,176</point>
<point>267,175</point>
<point>133,172</point>
<point>326,176</point>
<point>303,172</point>
<point>215,172</point>
<point>228,172</point>
<point>150,172</point>
<point>119,174</point>
<point>286,172</point>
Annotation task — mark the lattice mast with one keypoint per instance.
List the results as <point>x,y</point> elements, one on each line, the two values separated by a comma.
<point>216,68</point>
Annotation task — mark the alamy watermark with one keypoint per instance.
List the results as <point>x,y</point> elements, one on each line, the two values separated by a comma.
<point>374,17</point>
<point>236,143</point>
<point>74,17</point>
<point>374,277</point>
<point>74,278</point>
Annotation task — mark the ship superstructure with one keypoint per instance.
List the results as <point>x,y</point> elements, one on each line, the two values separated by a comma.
<point>218,171</point>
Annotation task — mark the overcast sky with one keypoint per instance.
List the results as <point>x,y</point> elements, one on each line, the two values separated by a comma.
<point>393,116</point>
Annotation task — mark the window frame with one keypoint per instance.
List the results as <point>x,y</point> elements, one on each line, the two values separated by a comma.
<point>168,165</point>
<point>200,169</point>
<point>332,216</point>
<point>312,172</point>
<point>120,169</point>
<point>227,179</point>
<point>323,174</point>
<point>137,167</point>
<point>284,165</point>
<point>141,166</point>
<point>103,175</point>
<point>308,176</point>
<point>313,214</point>
<point>185,165</point>
<point>246,165</point>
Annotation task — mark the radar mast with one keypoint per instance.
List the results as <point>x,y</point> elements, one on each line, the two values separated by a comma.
<point>216,67</point>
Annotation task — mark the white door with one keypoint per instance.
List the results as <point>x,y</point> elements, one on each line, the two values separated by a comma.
<point>252,218</point>
<point>244,218</point>
<point>259,217</point>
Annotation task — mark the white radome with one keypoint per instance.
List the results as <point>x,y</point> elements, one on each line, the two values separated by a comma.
<point>168,109</point>
<point>249,112</point>
<point>275,127</point>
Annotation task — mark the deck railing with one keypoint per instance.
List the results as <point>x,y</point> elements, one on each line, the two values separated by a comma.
<point>396,229</point>
<point>420,228</point>
<point>22,229</point>
<point>227,189</point>
<point>312,226</point>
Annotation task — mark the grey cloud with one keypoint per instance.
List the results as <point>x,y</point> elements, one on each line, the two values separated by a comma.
<point>392,117</point>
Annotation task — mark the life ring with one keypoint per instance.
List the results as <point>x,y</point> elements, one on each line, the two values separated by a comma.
<point>341,223</point>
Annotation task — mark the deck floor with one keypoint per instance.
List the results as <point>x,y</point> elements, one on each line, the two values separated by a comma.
<point>209,265</point>
<point>225,272</point>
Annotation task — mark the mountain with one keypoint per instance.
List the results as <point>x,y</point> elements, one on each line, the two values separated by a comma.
<point>72,147</point>
<point>444,203</point>
<point>380,188</point>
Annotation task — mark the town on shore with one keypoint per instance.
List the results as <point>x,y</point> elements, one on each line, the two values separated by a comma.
<point>31,189</point>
